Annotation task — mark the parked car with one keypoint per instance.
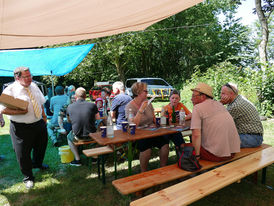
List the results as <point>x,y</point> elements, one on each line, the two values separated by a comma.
<point>95,91</point>
<point>156,86</point>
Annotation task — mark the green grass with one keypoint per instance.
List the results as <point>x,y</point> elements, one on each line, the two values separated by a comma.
<point>75,186</point>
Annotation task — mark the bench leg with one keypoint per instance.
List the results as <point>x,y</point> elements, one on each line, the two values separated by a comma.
<point>98,166</point>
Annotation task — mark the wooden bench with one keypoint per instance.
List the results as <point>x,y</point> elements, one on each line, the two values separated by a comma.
<point>200,186</point>
<point>99,152</point>
<point>145,180</point>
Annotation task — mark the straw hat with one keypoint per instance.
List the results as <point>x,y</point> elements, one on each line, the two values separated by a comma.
<point>203,88</point>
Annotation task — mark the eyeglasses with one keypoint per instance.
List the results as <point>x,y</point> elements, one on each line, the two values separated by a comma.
<point>230,87</point>
<point>196,95</point>
<point>26,77</point>
<point>145,91</point>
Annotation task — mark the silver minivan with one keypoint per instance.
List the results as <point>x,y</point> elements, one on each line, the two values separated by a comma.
<point>156,86</point>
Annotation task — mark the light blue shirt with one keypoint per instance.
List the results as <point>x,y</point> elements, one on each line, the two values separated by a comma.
<point>56,103</point>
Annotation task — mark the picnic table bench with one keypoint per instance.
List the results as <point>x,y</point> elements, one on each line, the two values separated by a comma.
<point>200,186</point>
<point>139,182</point>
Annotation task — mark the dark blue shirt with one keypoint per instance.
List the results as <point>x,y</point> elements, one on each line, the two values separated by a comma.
<point>118,105</point>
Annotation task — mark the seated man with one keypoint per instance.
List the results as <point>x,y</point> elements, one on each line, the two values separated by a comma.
<point>119,103</point>
<point>214,134</point>
<point>245,116</point>
<point>82,115</point>
<point>56,103</point>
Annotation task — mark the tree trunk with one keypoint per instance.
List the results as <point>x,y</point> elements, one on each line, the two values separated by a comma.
<point>265,32</point>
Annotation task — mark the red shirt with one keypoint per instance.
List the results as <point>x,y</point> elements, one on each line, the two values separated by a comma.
<point>178,108</point>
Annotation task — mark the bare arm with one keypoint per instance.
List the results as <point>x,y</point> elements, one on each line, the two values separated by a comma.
<point>44,115</point>
<point>196,140</point>
<point>140,112</point>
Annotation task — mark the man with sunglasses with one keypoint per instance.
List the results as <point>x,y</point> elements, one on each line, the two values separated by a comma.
<point>245,116</point>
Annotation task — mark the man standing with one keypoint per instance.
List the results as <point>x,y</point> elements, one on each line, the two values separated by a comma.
<point>82,115</point>
<point>28,130</point>
<point>245,116</point>
<point>214,134</point>
<point>119,103</point>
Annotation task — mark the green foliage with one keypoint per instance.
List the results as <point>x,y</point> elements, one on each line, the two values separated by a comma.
<point>252,84</point>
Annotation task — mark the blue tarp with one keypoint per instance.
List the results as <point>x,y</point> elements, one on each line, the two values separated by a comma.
<point>50,61</point>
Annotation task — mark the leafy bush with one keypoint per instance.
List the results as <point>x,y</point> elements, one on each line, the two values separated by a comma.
<point>252,84</point>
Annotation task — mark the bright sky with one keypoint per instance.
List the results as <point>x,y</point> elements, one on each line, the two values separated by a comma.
<point>245,11</point>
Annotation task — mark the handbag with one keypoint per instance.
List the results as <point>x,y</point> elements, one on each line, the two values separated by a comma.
<point>186,158</point>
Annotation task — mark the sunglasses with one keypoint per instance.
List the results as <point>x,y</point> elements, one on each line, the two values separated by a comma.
<point>230,87</point>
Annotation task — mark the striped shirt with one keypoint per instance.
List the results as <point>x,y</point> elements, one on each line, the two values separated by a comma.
<point>245,116</point>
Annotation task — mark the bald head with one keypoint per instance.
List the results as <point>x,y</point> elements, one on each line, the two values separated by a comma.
<point>80,93</point>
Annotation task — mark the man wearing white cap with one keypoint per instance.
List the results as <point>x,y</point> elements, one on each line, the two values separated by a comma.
<point>214,134</point>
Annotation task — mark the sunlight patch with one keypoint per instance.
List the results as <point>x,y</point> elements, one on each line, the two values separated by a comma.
<point>4,201</point>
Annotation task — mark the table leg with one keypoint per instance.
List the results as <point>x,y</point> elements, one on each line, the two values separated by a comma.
<point>264,175</point>
<point>115,162</point>
<point>129,157</point>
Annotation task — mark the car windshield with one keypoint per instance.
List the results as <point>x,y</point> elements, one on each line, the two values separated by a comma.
<point>154,82</point>
<point>129,83</point>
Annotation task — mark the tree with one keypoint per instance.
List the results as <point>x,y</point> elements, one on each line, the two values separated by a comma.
<point>264,13</point>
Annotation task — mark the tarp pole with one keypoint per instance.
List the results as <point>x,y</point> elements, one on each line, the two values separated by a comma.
<point>52,84</point>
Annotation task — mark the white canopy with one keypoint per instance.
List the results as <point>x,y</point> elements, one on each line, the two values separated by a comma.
<point>33,23</point>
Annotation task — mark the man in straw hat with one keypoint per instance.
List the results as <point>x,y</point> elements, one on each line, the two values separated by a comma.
<point>214,134</point>
<point>245,116</point>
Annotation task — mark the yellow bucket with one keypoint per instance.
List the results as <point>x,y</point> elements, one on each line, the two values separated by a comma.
<point>66,154</point>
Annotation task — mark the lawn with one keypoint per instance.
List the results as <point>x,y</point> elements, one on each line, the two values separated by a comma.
<point>75,186</point>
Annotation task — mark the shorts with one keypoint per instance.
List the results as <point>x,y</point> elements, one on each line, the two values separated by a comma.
<point>145,144</point>
<point>206,155</point>
<point>176,138</point>
<point>73,138</point>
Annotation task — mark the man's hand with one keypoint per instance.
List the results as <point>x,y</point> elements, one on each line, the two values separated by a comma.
<point>2,121</point>
<point>224,99</point>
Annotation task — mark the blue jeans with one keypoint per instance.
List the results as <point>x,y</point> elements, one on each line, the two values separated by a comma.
<point>250,140</point>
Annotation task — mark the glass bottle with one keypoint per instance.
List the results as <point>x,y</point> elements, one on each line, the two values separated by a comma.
<point>110,130</point>
<point>182,115</point>
<point>173,115</point>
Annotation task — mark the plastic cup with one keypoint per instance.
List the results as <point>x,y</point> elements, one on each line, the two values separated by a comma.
<point>124,126</point>
<point>158,121</point>
<point>103,131</point>
<point>101,112</point>
<point>132,128</point>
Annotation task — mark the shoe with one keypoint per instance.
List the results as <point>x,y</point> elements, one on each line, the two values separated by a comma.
<point>2,157</point>
<point>93,161</point>
<point>42,167</point>
<point>29,184</point>
<point>76,163</point>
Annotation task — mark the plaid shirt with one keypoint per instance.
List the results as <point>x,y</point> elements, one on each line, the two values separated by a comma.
<point>245,116</point>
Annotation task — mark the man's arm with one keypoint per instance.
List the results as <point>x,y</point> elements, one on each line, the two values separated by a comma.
<point>196,140</point>
<point>9,111</point>
<point>43,114</point>
<point>2,121</point>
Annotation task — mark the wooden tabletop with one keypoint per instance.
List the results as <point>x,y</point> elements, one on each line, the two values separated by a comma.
<point>122,137</point>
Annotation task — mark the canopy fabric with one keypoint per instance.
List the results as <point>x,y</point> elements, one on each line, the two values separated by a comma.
<point>50,61</point>
<point>33,23</point>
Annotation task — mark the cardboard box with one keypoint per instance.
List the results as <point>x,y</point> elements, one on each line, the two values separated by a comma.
<point>13,103</point>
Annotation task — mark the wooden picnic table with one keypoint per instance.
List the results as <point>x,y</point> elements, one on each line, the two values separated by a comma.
<point>124,137</point>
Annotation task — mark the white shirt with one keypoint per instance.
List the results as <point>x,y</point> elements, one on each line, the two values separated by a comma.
<point>18,91</point>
